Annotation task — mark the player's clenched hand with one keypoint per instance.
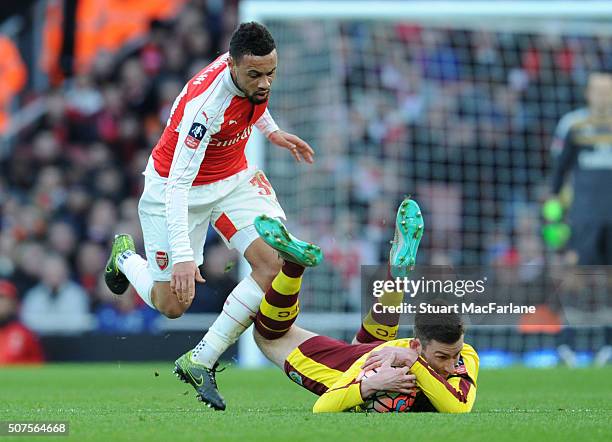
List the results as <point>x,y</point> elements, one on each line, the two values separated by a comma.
<point>298,147</point>
<point>184,276</point>
<point>399,356</point>
<point>388,378</point>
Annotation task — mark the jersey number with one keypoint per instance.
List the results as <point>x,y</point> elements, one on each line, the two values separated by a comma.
<point>260,180</point>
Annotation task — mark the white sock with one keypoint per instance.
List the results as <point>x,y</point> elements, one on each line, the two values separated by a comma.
<point>238,314</point>
<point>135,268</point>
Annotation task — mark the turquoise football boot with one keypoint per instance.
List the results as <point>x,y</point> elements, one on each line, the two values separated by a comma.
<point>274,233</point>
<point>409,228</point>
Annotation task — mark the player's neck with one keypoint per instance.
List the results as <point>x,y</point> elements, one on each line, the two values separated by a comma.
<point>236,83</point>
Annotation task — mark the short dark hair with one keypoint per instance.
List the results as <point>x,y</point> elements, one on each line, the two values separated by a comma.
<point>446,328</point>
<point>251,38</point>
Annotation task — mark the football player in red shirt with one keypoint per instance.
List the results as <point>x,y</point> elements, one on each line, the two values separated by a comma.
<point>198,174</point>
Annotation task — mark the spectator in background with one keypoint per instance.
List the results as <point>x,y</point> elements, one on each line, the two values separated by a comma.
<point>90,263</point>
<point>28,256</point>
<point>56,304</point>
<point>62,240</point>
<point>432,108</point>
<point>124,314</point>
<point>61,191</point>
<point>18,345</point>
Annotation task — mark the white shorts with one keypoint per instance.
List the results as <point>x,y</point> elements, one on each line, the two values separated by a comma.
<point>231,204</point>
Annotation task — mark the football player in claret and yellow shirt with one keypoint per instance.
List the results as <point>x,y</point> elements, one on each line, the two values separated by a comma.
<point>436,368</point>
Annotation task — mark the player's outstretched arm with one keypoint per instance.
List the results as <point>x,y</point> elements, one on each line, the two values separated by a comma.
<point>299,148</point>
<point>266,124</point>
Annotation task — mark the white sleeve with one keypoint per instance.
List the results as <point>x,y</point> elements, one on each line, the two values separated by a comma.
<point>266,124</point>
<point>191,145</point>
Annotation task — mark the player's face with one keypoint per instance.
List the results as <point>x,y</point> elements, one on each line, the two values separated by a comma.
<point>599,93</point>
<point>442,357</point>
<point>254,75</point>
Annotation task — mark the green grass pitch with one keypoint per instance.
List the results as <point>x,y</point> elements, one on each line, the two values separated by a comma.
<point>114,402</point>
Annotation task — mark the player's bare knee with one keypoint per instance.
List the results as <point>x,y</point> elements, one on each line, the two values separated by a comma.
<point>174,310</point>
<point>166,302</point>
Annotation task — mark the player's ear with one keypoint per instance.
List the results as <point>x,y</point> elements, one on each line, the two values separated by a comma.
<point>230,62</point>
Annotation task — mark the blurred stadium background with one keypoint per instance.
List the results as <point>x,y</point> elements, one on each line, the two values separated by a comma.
<point>455,105</point>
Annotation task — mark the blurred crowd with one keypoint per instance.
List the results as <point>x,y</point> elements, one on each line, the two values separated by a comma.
<point>462,120</point>
<point>73,180</point>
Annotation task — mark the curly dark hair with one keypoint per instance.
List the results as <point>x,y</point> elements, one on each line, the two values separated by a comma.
<point>446,328</point>
<point>251,38</point>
